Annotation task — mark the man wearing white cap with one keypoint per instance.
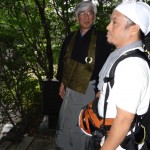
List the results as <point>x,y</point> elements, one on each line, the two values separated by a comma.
<point>130,95</point>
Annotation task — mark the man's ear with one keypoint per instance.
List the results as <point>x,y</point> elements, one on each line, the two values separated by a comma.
<point>77,19</point>
<point>134,29</point>
<point>94,18</point>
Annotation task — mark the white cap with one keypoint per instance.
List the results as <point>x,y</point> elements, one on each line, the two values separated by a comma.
<point>138,12</point>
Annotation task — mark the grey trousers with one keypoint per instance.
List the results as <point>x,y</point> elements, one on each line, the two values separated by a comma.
<point>68,134</point>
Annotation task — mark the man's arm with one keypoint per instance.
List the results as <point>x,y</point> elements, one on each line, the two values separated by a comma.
<point>119,129</point>
<point>62,90</point>
<point>61,57</point>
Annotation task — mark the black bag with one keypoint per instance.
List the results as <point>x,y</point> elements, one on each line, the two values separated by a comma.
<point>146,124</point>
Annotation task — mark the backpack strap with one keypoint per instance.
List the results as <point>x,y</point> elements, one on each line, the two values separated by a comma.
<point>135,53</point>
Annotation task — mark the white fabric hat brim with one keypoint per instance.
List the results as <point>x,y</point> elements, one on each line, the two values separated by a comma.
<point>138,12</point>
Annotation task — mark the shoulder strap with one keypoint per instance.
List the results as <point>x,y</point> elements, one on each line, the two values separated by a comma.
<point>110,79</point>
<point>134,53</point>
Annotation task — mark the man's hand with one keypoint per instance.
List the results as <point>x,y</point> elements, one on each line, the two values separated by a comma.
<point>119,129</point>
<point>62,90</point>
<point>98,94</point>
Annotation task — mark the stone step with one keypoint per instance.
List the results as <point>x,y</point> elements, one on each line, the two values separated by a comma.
<point>29,143</point>
<point>4,145</point>
<point>42,144</point>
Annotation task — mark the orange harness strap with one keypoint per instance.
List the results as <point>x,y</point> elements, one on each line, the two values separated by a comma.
<point>87,117</point>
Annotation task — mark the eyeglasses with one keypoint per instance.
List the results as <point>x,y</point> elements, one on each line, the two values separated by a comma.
<point>84,14</point>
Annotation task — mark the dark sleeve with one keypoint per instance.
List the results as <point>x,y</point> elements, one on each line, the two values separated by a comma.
<point>103,49</point>
<point>61,57</point>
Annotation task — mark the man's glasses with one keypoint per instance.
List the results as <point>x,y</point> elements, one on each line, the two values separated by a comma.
<point>88,13</point>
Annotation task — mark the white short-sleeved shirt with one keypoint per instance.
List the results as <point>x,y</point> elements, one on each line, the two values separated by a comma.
<point>131,89</point>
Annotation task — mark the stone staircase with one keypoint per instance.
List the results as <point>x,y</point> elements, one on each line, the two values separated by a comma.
<point>43,141</point>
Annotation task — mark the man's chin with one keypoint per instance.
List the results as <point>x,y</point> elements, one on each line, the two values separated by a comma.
<point>109,41</point>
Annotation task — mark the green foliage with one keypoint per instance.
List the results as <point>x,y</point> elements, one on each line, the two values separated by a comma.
<point>103,14</point>
<point>17,83</point>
